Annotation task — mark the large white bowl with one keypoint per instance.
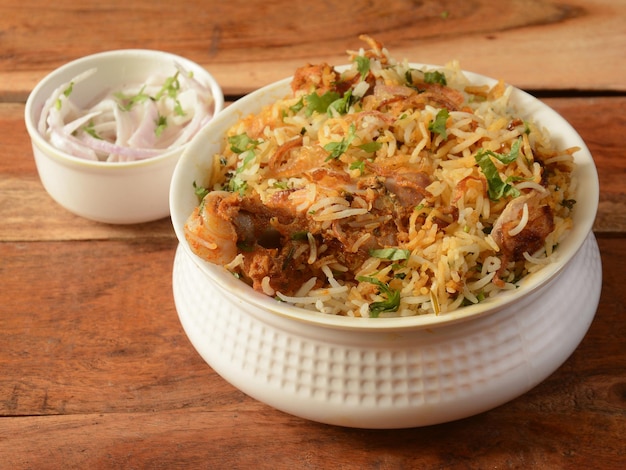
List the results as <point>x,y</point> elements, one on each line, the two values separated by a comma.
<point>387,372</point>
<point>195,164</point>
<point>121,192</point>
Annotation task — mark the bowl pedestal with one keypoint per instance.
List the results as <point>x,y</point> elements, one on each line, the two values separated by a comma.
<point>383,379</point>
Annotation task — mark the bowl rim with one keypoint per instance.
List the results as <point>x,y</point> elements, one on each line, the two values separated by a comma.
<point>531,284</point>
<point>31,115</point>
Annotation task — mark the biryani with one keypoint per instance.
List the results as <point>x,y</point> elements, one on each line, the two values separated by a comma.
<point>380,189</point>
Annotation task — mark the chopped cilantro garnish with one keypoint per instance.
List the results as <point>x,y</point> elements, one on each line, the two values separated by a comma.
<point>241,143</point>
<point>390,304</point>
<point>320,104</point>
<point>246,157</point>
<point>126,102</point>
<point>161,124</point>
<point>298,106</point>
<point>67,92</point>
<point>90,129</point>
<point>392,254</point>
<point>341,105</point>
<point>435,77</point>
<point>200,191</point>
<point>362,65</point>
<point>438,125</point>
<point>496,187</point>
<point>337,149</point>
<point>235,184</point>
<point>358,165</point>
<point>371,147</point>
<point>170,88</point>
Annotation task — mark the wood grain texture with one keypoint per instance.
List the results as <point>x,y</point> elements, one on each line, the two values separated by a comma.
<point>538,44</point>
<point>106,378</point>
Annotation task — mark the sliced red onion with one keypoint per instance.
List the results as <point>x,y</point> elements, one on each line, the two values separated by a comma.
<point>105,131</point>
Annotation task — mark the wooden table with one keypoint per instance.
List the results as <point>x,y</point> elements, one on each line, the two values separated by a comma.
<point>95,369</point>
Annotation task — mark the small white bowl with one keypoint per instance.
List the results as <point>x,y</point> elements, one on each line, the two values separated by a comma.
<point>109,192</point>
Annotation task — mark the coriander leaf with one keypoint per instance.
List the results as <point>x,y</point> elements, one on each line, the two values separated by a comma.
<point>320,104</point>
<point>390,304</point>
<point>438,125</point>
<point>68,91</point>
<point>200,191</point>
<point>298,106</point>
<point>363,65</point>
<point>370,147</point>
<point>337,149</point>
<point>392,254</point>
<point>90,129</point>
<point>236,184</point>
<point>408,76</point>
<point>496,187</point>
<point>342,105</point>
<point>126,102</point>
<point>178,108</point>
<point>248,156</point>
<point>358,165</point>
<point>161,124</point>
<point>509,157</point>
<point>435,77</point>
<point>240,143</point>
<point>170,87</point>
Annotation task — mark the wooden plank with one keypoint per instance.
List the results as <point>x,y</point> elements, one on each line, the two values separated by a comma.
<point>114,399</point>
<point>510,437</point>
<point>91,326</point>
<point>602,126</point>
<point>574,44</point>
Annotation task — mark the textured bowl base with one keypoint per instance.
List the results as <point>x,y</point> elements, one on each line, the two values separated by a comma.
<point>389,380</point>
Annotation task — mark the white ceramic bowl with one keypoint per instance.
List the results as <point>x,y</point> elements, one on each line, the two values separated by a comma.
<point>195,164</point>
<point>120,192</point>
<point>387,372</point>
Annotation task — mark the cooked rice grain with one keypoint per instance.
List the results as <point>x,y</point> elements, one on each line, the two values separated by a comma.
<point>387,174</point>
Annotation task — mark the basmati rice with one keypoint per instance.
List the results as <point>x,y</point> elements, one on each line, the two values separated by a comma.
<point>383,190</point>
